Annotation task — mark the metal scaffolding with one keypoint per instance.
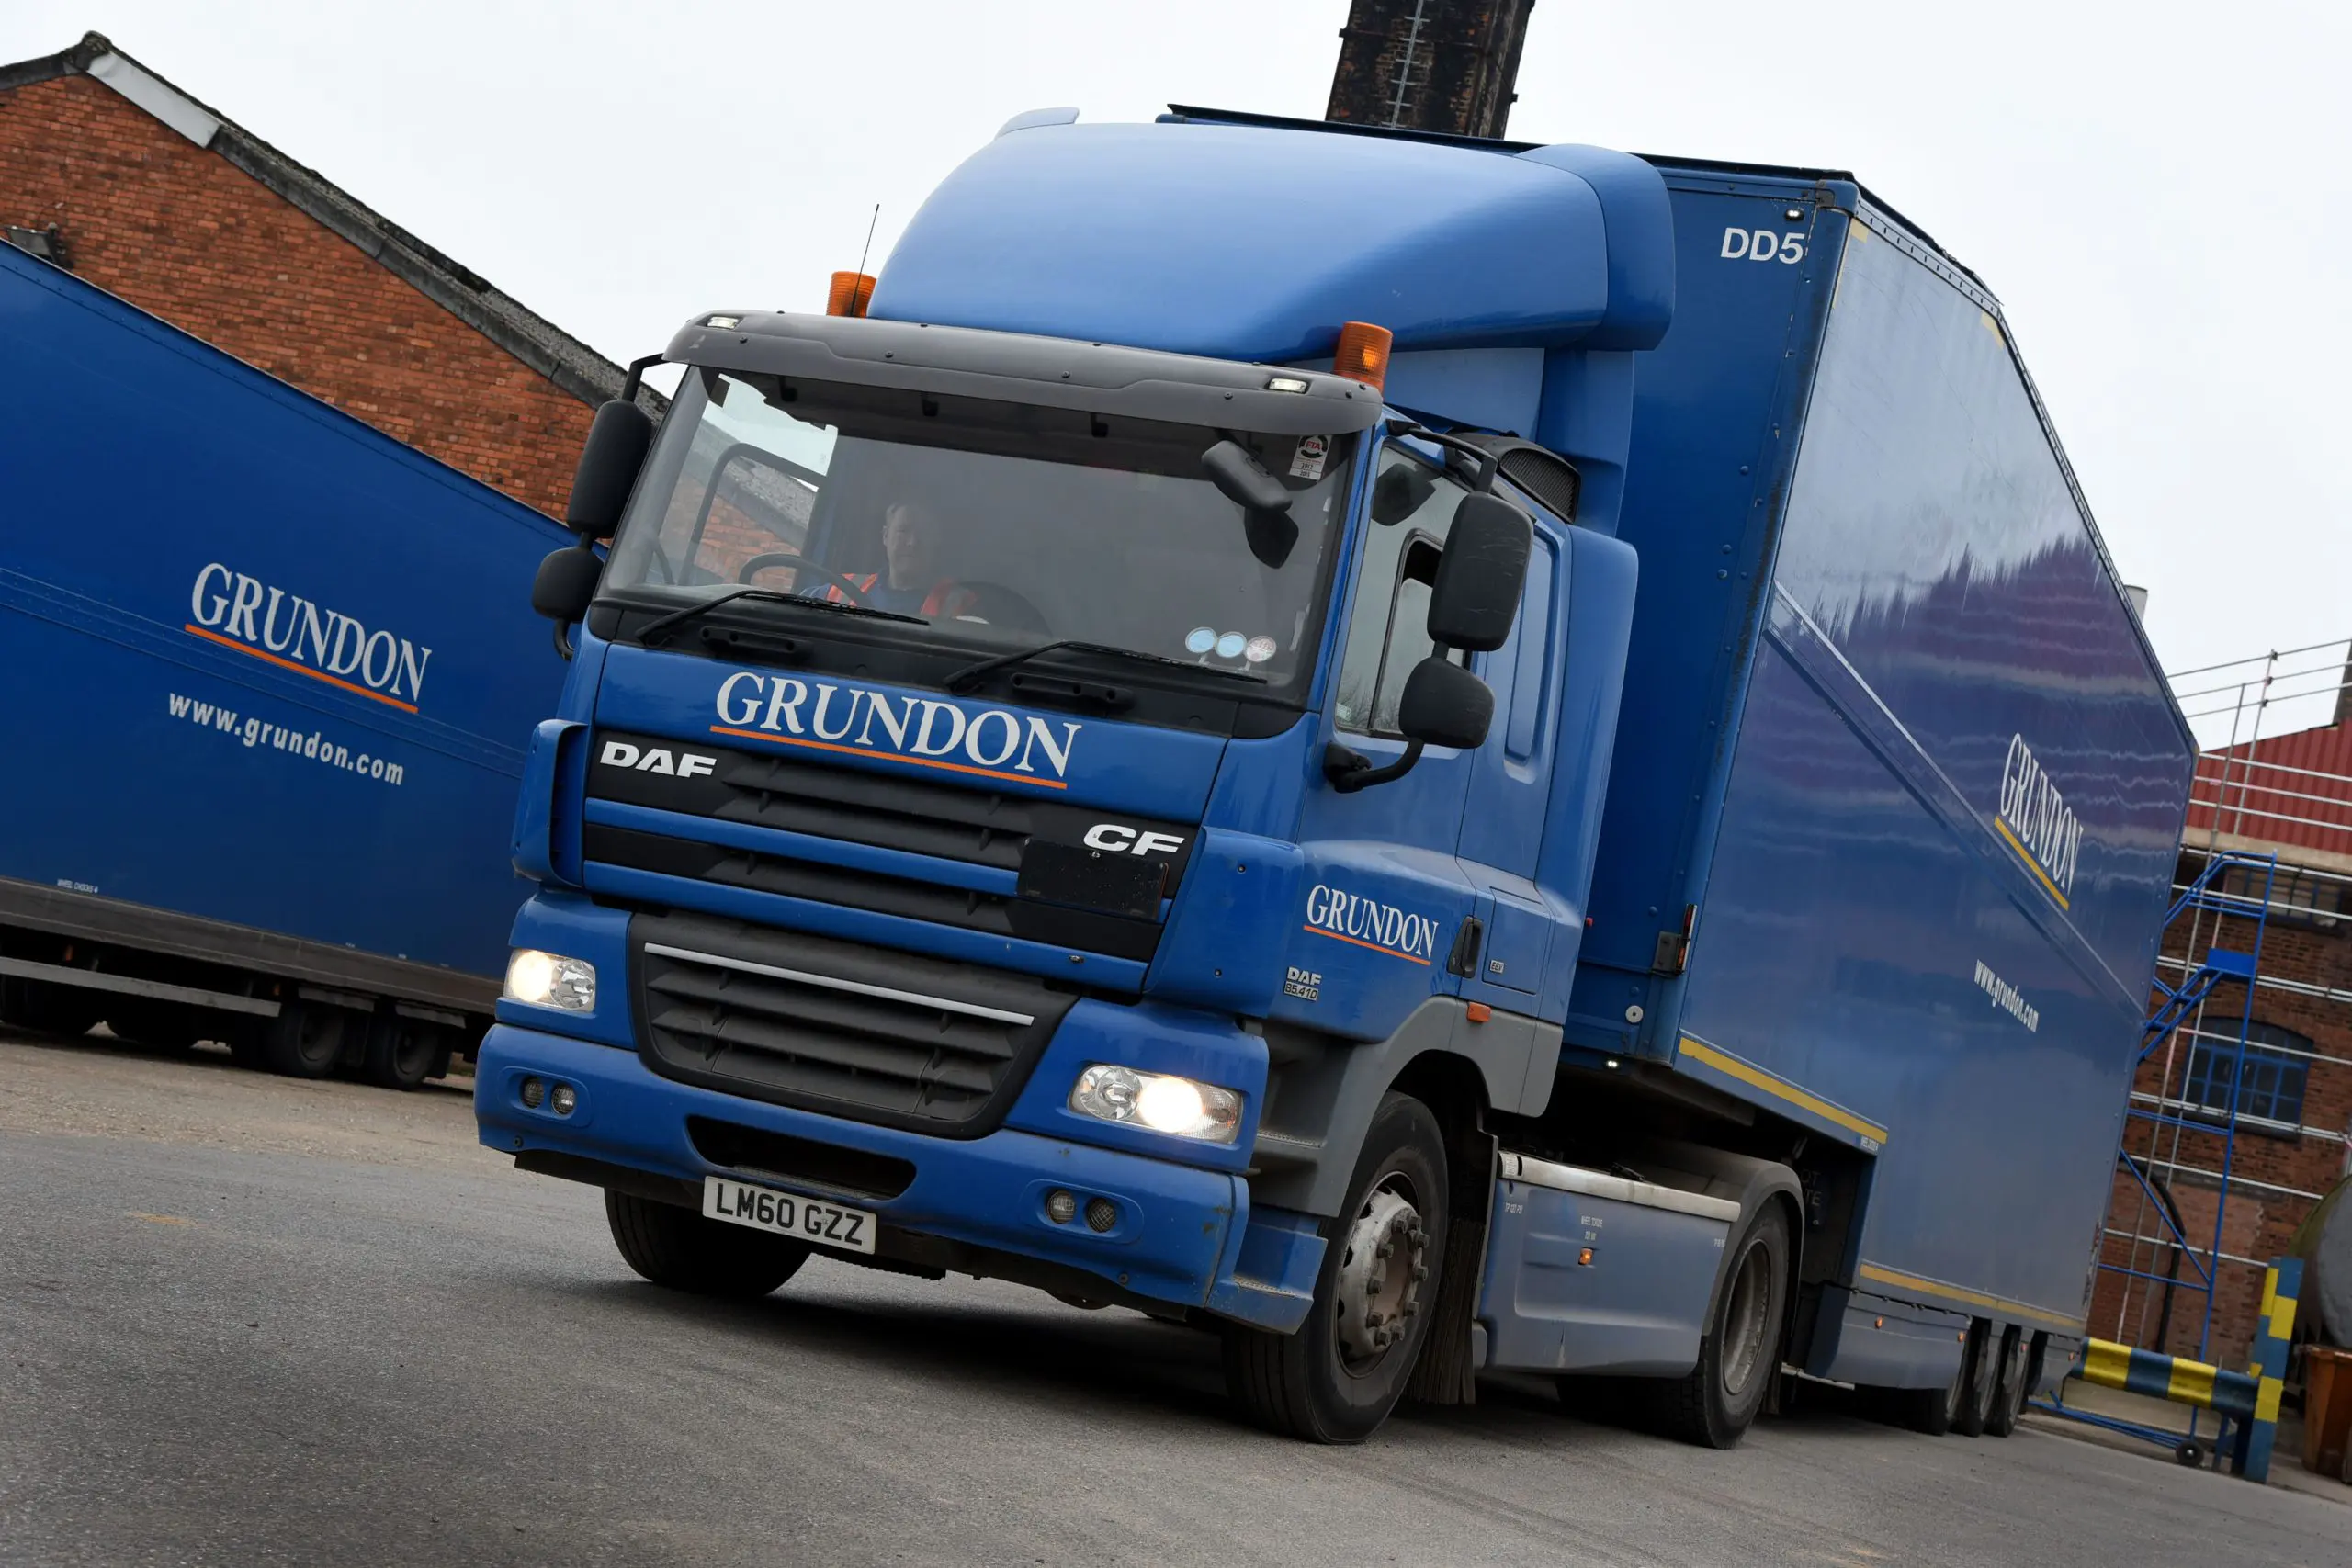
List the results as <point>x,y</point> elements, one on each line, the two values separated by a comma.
<point>2249,811</point>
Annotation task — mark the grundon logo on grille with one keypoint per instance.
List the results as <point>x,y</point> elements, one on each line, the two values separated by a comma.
<point>923,731</point>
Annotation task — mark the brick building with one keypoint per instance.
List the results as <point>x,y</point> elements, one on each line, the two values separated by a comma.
<point>112,172</point>
<point>2289,796</point>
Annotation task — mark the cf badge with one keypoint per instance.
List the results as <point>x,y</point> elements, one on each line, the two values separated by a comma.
<point>1118,839</point>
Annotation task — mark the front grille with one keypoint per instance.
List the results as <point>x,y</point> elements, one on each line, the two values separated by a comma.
<point>837,1027</point>
<point>948,821</point>
<point>994,913</point>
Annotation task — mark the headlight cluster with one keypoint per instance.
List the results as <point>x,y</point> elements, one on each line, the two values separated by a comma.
<point>547,980</point>
<point>1161,1102</point>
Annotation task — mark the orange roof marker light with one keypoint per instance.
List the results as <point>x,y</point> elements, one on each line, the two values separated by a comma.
<point>850,293</point>
<point>1363,353</point>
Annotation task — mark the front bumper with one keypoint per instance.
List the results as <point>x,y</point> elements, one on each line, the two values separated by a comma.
<point>1180,1231</point>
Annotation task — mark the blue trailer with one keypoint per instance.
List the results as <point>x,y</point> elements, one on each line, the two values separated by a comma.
<point>1432,755</point>
<point>269,686</point>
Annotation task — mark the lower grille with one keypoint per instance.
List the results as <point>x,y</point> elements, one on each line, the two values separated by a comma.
<point>757,1152</point>
<point>838,1027</point>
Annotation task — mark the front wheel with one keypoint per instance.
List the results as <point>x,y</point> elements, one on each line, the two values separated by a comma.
<point>1714,1402</point>
<point>1336,1379</point>
<point>682,1250</point>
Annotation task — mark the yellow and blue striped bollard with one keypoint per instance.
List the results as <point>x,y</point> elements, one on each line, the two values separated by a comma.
<point>2282,1285</point>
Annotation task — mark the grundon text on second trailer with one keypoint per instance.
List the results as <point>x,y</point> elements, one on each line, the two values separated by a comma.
<point>1428,755</point>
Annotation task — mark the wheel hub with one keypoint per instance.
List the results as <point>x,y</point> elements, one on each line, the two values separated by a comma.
<point>1380,1276</point>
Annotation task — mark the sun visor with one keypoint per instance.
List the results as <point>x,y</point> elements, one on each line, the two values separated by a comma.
<point>1255,243</point>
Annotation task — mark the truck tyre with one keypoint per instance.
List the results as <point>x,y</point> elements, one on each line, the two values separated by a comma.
<point>46,1009</point>
<point>403,1051</point>
<point>1336,1379</point>
<point>2008,1387</point>
<point>682,1250</point>
<point>1930,1410</point>
<point>1714,1402</point>
<point>305,1041</point>
<point>1979,1371</point>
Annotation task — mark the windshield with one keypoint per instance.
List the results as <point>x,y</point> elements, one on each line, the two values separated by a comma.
<point>1002,525</point>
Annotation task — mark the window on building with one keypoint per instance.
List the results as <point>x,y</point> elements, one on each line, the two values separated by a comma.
<point>2271,1082</point>
<point>2304,896</point>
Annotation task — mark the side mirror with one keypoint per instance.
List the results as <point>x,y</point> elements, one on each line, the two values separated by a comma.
<point>566,583</point>
<point>608,470</point>
<point>1445,705</point>
<point>1481,575</point>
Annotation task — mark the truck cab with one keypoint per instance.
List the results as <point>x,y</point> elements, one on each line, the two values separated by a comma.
<point>1084,766</point>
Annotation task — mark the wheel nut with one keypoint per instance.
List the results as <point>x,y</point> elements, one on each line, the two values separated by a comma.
<point>1420,1272</point>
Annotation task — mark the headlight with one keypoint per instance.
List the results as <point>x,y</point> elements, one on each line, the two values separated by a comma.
<point>1161,1101</point>
<point>545,980</point>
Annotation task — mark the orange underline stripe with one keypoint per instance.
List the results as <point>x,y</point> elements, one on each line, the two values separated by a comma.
<point>2030,863</point>
<point>889,757</point>
<point>297,669</point>
<point>1392,953</point>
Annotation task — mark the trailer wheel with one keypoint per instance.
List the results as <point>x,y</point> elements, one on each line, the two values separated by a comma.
<point>1930,1410</point>
<point>46,1009</point>
<point>403,1051</point>
<point>682,1250</point>
<point>1979,1373</point>
<point>305,1041</point>
<point>1713,1404</point>
<point>2008,1389</point>
<point>1336,1379</point>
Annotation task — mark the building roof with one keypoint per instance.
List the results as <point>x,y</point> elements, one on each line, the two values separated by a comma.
<point>529,337</point>
<point>2289,794</point>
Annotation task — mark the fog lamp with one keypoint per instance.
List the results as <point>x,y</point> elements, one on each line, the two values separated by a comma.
<point>1062,1207</point>
<point>562,1097</point>
<point>1161,1102</point>
<point>545,980</point>
<point>535,1092</point>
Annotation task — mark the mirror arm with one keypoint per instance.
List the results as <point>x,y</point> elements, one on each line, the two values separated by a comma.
<point>636,380</point>
<point>1348,771</point>
<point>1485,463</point>
<point>563,642</point>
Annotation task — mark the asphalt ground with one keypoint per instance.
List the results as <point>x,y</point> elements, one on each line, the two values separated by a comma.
<point>248,1321</point>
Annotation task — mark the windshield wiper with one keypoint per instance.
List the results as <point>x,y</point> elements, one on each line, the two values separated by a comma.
<point>970,677</point>
<point>767,595</point>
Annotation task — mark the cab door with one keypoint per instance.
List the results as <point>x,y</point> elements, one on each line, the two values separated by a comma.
<point>1386,898</point>
<point>1510,785</point>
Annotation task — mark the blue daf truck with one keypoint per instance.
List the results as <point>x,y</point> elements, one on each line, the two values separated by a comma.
<point>1432,756</point>
<point>266,698</point>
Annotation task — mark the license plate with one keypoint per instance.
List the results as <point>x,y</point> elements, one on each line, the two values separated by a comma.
<point>787,1214</point>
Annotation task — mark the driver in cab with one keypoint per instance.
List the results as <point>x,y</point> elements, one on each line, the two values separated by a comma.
<point>912,585</point>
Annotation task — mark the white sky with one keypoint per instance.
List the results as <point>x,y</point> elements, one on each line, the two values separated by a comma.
<point>2157,191</point>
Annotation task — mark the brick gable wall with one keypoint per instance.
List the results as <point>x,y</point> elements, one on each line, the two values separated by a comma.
<point>181,233</point>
